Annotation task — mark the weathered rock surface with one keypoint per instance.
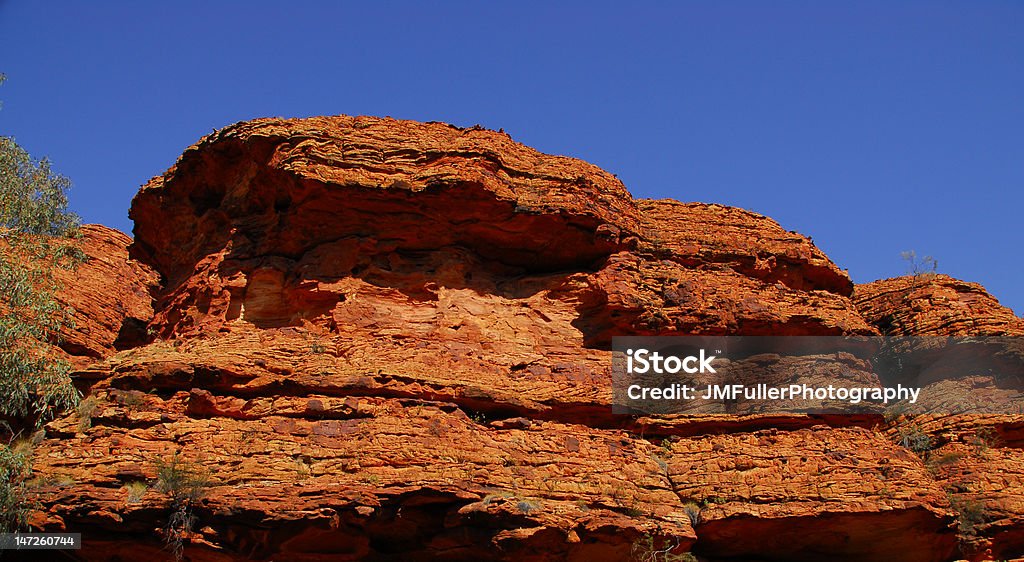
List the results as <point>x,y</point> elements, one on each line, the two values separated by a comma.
<point>263,219</point>
<point>697,234</point>
<point>277,221</point>
<point>934,304</point>
<point>818,493</point>
<point>322,477</point>
<point>387,340</point>
<point>977,459</point>
<point>110,294</point>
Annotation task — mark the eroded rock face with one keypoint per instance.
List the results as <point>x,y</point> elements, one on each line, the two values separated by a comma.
<point>389,340</point>
<point>978,462</point>
<point>975,458</point>
<point>697,234</point>
<point>261,219</point>
<point>110,293</point>
<point>931,304</point>
<point>277,222</point>
<point>814,493</point>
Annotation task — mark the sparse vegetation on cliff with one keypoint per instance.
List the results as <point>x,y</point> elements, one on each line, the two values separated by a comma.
<point>923,267</point>
<point>86,408</point>
<point>649,549</point>
<point>184,484</point>
<point>135,490</point>
<point>970,514</point>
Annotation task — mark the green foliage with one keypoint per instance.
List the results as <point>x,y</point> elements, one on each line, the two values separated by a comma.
<point>184,484</point>
<point>136,490</point>
<point>35,237</point>
<point>895,412</point>
<point>693,512</point>
<point>478,418</point>
<point>35,232</point>
<point>528,506</point>
<point>970,514</point>
<point>34,199</point>
<point>15,466</point>
<point>914,438</point>
<point>983,439</point>
<point>182,481</point>
<point>712,500</point>
<point>936,462</point>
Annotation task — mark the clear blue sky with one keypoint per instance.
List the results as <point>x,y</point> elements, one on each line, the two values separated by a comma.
<point>874,127</point>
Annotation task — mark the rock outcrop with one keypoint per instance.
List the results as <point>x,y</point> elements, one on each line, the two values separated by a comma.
<point>265,220</point>
<point>698,234</point>
<point>976,459</point>
<point>934,305</point>
<point>387,340</point>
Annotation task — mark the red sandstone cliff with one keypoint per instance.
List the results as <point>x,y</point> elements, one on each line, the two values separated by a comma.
<point>388,340</point>
<point>111,294</point>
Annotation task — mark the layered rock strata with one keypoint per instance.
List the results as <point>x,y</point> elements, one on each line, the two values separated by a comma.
<point>387,340</point>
